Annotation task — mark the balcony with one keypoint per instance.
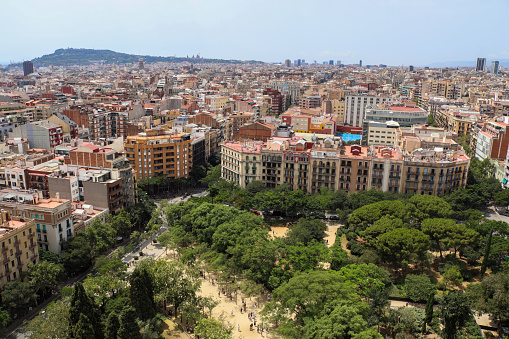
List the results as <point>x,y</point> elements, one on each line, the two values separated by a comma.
<point>17,242</point>
<point>18,253</point>
<point>31,235</point>
<point>4,249</point>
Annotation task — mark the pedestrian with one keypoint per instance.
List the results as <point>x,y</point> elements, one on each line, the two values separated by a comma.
<point>232,311</point>
<point>219,294</point>
<point>238,327</point>
<point>250,327</point>
<point>241,310</point>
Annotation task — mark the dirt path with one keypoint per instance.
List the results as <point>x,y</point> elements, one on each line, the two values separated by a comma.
<point>330,237</point>
<point>238,320</point>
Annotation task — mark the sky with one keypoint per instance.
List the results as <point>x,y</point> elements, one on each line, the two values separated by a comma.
<point>392,32</point>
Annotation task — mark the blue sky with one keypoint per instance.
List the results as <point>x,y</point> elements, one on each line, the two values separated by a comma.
<point>393,32</point>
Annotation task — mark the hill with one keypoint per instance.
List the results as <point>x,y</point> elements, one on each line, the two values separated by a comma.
<point>82,56</point>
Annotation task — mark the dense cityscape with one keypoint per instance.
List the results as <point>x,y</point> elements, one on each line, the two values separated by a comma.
<point>193,198</point>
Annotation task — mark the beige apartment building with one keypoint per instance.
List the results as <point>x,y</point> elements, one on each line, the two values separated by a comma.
<point>155,153</point>
<point>19,246</point>
<point>53,219</point>
<point>355,168</point>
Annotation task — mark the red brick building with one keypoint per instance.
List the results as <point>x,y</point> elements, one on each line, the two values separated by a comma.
<point>78,115</point>
<point>255,131</point>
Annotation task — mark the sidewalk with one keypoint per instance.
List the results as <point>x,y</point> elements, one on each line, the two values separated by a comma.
<point>151,251</point>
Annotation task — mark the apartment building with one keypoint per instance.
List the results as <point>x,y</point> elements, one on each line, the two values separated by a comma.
<point>456,119</point>
<point>53,219</point>
<point>444,88</point>
<point>78,114</point>
<point>335,108</point>
<point>275,100</point>
<point>355,107</point>
<point>379,133</point>
<point>40,134</point>
<point>492,141</point>
<point>107,125</point>
<point>310,101</point>
<point>19,246</point>
<point>217,102</point>
<point>155,153</point>
<point>330,164</point>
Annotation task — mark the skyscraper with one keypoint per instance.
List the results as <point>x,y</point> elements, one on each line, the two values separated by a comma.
<point>360,63</point>
<point>338,62</point>
<point>411,68</point>
<point>494,67</point>
<point>28,67</point>
<point>481,65</point>
<point>288,63</point>
<point>331,62</point>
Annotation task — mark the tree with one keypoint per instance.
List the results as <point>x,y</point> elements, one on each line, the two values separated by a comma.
<point>452,276</point>
<point>112,326</point>
<point>17,296</point>
<point>381,226</point>
<point>82,305</point>
<point>101,236</point>
<point>121,223</point>
<point>254,187</point>
<point>345,321</point>
<point>48,256</point>
<point>141,292</point>
<point>437,229</point>
<point>305,231</point>
<point>305,297</point>
<point>365,216</point>
<point>83,329</point>
<point>431,206</point>
<point>431,121</point>
<point>5,318</point>
<point>128,326</point>
<point>502,198</point>
<point>76,254</point>
<point>53,323</point>
<point>174,282</point>
<point>454,311</point>
<point>419,287</point>
<point>364,277</point>
<point>338,257</point>
<point>491,296</point>
<point>402,246</point>
<point>44,275</point>
<point>428,312</point>
<point>212,329</point>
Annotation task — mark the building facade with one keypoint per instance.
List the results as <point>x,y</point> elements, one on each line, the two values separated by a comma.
<point>155,153</point>
<point>330,164</point>
<point>19,246</point>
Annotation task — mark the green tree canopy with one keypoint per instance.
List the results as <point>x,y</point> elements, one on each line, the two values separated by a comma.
<point>402,246</point>
<point>305,231</point>
<point>141,293</point>
<point>419,287</point>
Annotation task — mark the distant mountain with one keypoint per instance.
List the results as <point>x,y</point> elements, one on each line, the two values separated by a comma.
<point>82,56</point>
<point>503,62</point>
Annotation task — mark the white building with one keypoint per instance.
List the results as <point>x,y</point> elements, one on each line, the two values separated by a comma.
<point>355,107</point>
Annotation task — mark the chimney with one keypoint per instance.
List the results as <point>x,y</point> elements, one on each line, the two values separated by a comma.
<point>57,195</point>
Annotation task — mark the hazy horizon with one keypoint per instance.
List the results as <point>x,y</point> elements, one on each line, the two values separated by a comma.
<point>392,32</point>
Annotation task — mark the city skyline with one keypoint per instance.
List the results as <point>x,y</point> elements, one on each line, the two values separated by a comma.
<point>247,31</point>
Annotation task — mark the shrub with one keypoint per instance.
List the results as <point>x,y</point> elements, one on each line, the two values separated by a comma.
<point>141,254</point>
<point>356,249</point>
